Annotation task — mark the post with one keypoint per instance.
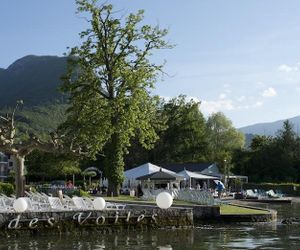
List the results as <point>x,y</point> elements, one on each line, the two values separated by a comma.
<point>100,180</point>
<point>226,175</point>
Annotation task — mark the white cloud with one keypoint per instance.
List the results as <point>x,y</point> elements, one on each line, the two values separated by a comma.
<point>286,68</point>
<point>166,98</point>
<point>241,98</point>
<point>209,107</point>
<point>227,88</point>
<point>257,104</point>
<point>192,98</point>
<point>249,106</point>
<point>260,84</point>
<point>243,107</point>
<point>222,96</point>
<point>188,98</point>
<point>269,92</point>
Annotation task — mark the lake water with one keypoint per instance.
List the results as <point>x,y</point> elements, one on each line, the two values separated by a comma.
<point>218,236</point>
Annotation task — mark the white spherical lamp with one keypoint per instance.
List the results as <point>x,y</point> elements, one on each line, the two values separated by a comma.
<point>164,200</point>
<point>99,203</point>
<point>20,205</point>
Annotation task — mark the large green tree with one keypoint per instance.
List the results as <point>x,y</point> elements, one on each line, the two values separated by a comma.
<point>109,79</point>
<point>184,140</point>
<point>223,139</point>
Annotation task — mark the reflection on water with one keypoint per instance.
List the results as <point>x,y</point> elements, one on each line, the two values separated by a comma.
<point>237,236</point>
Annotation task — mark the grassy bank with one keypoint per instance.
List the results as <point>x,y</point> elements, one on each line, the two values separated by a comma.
<point>237,210</point>
<point>224,208</point>
<point>124,198</point>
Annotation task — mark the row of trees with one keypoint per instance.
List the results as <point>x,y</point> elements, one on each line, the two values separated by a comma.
<point>185,136</point>
<point>273,159</point>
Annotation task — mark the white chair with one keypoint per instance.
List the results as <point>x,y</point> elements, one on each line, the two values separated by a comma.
<point>80,203</point>
<point>56,204</point>
<point>250,194</point>
<point>272,194</point>
<point>147,195</point>
<point>5,206</point>
<point>89,202</point>
<point>114,206</point>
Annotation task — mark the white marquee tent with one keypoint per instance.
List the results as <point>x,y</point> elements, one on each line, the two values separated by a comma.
<point>147,168</point>
<point>188,175</point>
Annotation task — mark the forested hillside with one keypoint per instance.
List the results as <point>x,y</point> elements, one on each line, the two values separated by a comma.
<point>34,79</point>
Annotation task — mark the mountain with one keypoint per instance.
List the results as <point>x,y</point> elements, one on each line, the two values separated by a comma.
<point>270,128</point>
<point>34,79</point>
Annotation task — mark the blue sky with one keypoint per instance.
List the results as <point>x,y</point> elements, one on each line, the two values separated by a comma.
<point>238,57</point>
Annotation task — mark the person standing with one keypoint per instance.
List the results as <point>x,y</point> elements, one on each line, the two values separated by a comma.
<point>220,189</point>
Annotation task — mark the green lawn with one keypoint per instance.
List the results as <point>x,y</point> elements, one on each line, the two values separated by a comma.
<point>224,208</point>
<point>229,209</point>
<point>135,199</point>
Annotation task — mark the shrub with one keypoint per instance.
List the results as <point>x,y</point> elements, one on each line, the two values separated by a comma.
<point>84,193</point>
<point>6,188</point>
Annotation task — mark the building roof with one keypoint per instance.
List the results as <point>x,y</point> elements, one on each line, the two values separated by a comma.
<point>193,167</point>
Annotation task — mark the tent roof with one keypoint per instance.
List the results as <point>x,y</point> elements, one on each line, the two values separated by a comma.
<point>188,174</point>
<point>145,169</point>
<point>194,167</point>
<point>160,175</point>
<point>238,176</point>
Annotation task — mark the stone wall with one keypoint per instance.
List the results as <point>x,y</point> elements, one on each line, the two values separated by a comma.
<point>199,212</point>
<point>70,221</point>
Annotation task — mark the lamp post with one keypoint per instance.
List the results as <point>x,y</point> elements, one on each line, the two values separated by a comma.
<point>225,173</point>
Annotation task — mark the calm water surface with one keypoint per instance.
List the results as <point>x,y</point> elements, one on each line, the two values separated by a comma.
<point>237,236</point>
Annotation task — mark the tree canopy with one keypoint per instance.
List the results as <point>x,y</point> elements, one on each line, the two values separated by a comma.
<point>109,81</point>
<point>271,158</point>
<point>223,139</point>
<point>184,140</point>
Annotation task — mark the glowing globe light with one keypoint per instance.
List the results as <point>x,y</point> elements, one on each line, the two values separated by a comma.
<point>164,200</point>
<point>20,205</point>
<point>99,203</point>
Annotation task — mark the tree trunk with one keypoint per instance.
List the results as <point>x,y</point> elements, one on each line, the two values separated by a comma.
<point>114,165</point>
<point>20,177</point>
<point>113,189</point>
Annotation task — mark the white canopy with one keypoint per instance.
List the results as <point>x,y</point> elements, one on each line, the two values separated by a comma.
<point>188,174</point>
<point>147,168</point>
